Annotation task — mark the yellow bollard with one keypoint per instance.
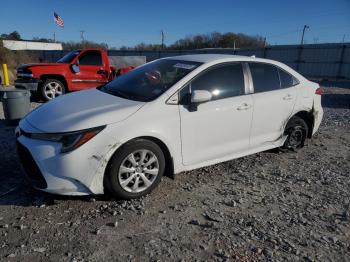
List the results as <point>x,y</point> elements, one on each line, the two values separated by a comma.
<point>6,75</point>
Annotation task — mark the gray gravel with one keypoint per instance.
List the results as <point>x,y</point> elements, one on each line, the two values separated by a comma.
<point>271,206</point>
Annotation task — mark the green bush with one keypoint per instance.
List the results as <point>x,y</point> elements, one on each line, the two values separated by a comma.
<point>13,58</point>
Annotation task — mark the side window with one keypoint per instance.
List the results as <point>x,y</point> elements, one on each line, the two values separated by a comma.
<point>91,58</point>
<point>222,81</point>
<point>265,77</point>
<point>286,79</point>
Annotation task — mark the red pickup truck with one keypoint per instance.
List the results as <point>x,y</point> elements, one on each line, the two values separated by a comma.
<point>77,70</point>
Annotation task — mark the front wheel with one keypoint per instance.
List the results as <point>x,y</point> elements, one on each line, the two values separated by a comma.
<point>296,131</point>
<point>51,88</point>
<point>135,169</point>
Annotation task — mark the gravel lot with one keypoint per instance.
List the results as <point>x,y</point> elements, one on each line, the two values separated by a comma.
<point>268,206</point>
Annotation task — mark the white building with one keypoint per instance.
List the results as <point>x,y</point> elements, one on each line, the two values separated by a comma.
<point>30,45</point>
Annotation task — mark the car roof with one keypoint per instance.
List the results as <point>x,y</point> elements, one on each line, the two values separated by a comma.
<point>222,58</point>
<point>206,58</point>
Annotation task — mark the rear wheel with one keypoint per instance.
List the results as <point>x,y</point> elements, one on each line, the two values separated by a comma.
<point>135,170</point>
<point>51,88</point>
<point>296,131</point>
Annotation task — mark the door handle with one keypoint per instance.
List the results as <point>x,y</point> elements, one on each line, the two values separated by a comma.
<point>244,106</point>
<point>288,97</point>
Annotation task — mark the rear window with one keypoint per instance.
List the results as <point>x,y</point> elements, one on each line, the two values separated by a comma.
<point>265,77</point>
<point>287,80</point>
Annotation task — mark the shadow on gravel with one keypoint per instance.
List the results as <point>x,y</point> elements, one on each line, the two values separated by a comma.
<point>24,195</point>
<point>21,195</point>
<point>36,98</point>
<point>336,101</point>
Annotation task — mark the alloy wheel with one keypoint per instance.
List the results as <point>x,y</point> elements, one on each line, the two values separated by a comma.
<point>138,171</point>
<point>52,90</point>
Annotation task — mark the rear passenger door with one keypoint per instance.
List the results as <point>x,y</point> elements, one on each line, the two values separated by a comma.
<point>274,99</point>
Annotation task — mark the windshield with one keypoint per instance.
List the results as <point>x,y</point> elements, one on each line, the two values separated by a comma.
<point>68,57</point>
<point>148,82</point>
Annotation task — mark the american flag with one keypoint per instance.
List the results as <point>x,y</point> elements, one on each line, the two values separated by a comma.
<point>58,20</point>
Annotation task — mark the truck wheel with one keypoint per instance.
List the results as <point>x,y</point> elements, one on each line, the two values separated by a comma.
<point>135,170</point>
<point>51,88</point>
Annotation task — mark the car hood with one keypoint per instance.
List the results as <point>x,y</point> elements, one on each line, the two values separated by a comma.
<point>81,110</point>
<point>39,64</point>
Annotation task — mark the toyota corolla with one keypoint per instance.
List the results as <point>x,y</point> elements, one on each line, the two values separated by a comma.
<point>168,116</point>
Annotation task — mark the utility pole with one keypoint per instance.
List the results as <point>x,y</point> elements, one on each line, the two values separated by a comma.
<point>343,38</point>
<point>162,38</point>
<point>264,41</point>
<point>54,37</point>
<point>302,37</point>
<point>82,35</point>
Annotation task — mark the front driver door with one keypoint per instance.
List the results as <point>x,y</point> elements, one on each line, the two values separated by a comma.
<point>220,127</point>
<point>92,71</point>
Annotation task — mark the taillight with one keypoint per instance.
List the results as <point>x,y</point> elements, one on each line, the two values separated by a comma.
<point>318,91</point>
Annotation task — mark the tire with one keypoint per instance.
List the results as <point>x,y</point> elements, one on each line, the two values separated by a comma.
<point>296,131</point>
<point>51,88</point>
<point>128,176</point>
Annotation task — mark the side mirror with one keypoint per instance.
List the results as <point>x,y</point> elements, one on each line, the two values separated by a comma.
<point>200,96</point>
<point>75,68</point>
<point>197,97</point>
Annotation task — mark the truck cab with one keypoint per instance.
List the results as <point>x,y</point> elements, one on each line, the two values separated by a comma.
<point>77,70</point>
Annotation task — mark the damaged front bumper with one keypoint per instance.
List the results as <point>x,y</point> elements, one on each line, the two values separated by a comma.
<point>79,172</point>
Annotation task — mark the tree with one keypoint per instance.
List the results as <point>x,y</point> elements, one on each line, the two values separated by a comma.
<point>42,39</point>
<point>11,36</point>
<point>217,40</point>
<point>83,44</point>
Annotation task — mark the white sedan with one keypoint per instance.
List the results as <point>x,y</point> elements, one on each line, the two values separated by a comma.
<point>165,117</point>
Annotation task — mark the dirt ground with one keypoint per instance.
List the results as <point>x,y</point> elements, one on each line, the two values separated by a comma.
<point>271,206</point>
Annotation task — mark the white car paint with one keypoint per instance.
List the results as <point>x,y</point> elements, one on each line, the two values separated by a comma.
<point>199,130</point>
<point>194,139</point>
<point>265,107</point>
<point>81,110</point>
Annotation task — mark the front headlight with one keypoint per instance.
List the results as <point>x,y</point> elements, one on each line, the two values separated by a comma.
<point>70,140</point>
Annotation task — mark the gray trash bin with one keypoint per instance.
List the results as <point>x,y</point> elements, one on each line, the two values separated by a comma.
<point>16,104</point>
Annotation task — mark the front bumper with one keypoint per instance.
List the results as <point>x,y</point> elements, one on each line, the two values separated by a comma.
<point>27,83</point>
<point>79,172</point>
